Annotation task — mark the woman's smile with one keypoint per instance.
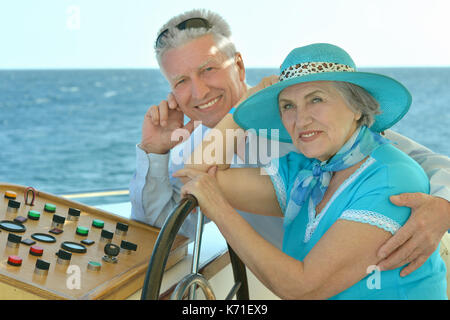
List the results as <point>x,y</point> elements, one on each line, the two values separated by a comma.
<point>310,135</point>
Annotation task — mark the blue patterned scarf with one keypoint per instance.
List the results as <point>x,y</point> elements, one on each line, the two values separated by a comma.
<point>313,182</point>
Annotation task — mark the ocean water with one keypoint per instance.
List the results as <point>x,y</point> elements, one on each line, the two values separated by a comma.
<point>65,131</point>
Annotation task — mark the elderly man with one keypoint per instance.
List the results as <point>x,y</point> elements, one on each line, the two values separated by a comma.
<point>207,78</point>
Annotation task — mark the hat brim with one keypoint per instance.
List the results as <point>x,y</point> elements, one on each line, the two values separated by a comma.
<point>260,111</point>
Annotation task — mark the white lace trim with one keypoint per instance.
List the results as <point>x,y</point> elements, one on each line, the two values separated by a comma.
<point>280,190</point>
<point>315,219</point>
<point>373,218</point>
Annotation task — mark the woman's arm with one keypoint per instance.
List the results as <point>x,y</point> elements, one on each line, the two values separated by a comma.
<point>218,147</point>
<point>430,217</point>
<point>243,188</point>
<point>436,166</point>
<point>335,263</point>
<point>340,259</point>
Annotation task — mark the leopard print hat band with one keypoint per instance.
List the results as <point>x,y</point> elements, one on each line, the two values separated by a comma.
<point>303,69</point>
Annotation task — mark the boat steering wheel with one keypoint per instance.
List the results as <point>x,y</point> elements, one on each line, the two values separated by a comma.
<point>160,254</point>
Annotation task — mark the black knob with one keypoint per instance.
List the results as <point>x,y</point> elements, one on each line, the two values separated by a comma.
<point>64,255</point>
<point>128,245</point>
<point>121,226</point>
<point>107,234</point>
<point>14,238</point>
<point>74,212</point>
<point>42,265</point>
<point>58,219</point>
<point>14,204</point>
<point>112,249</point>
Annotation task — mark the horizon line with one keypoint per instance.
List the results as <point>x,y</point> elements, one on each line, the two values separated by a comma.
<point>156,68</point>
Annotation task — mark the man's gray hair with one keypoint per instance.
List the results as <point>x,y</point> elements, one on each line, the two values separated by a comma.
<point>360,101</point>
<point>220,30</point>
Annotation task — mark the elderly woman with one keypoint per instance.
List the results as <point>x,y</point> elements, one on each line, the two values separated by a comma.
<point>333,194</point>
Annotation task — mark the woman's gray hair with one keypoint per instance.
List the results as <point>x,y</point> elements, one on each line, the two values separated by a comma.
<point>220,30</point>
<point>359,101</point>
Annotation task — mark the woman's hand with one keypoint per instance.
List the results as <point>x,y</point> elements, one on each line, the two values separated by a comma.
<point>205,188</point>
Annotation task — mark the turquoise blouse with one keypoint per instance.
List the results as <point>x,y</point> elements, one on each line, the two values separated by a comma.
<point>363,197</point>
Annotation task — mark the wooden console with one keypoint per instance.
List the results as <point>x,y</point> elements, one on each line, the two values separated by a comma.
<point>89,275</point>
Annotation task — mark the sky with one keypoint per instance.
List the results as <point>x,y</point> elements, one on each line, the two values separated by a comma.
<point>68,34</point>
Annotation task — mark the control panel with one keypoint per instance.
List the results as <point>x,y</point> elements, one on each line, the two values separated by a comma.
<point>54,248</point>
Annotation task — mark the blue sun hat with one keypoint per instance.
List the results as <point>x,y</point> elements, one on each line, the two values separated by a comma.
<point>321,62</point>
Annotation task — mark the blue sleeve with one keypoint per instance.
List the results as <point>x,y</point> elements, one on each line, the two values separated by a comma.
<point>283,172</point>
<point>371,203</point>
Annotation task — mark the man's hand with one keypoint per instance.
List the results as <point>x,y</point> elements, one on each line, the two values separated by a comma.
<point>419,237</point>
<point>159,124</point>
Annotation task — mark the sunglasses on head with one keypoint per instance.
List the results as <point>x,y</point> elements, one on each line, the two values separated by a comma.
<point>192,23</point>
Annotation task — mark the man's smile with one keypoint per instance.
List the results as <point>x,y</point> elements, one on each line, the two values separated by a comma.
<point>208,104</point>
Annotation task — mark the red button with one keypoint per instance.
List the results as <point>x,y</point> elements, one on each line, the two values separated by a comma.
<point>36,251</point>
<point>15,261</point>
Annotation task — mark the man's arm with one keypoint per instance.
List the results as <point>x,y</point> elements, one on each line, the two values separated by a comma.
<point>153,193</point>
<point>150,188</point>
<point>430,215</point>
<point>436,166</point>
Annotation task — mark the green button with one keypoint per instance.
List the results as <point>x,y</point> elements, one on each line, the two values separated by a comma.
<point>94,266</point>
<point>82,231</point>
<point>34,215</point>
<point>98,223</point>
<point>50,207</point>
